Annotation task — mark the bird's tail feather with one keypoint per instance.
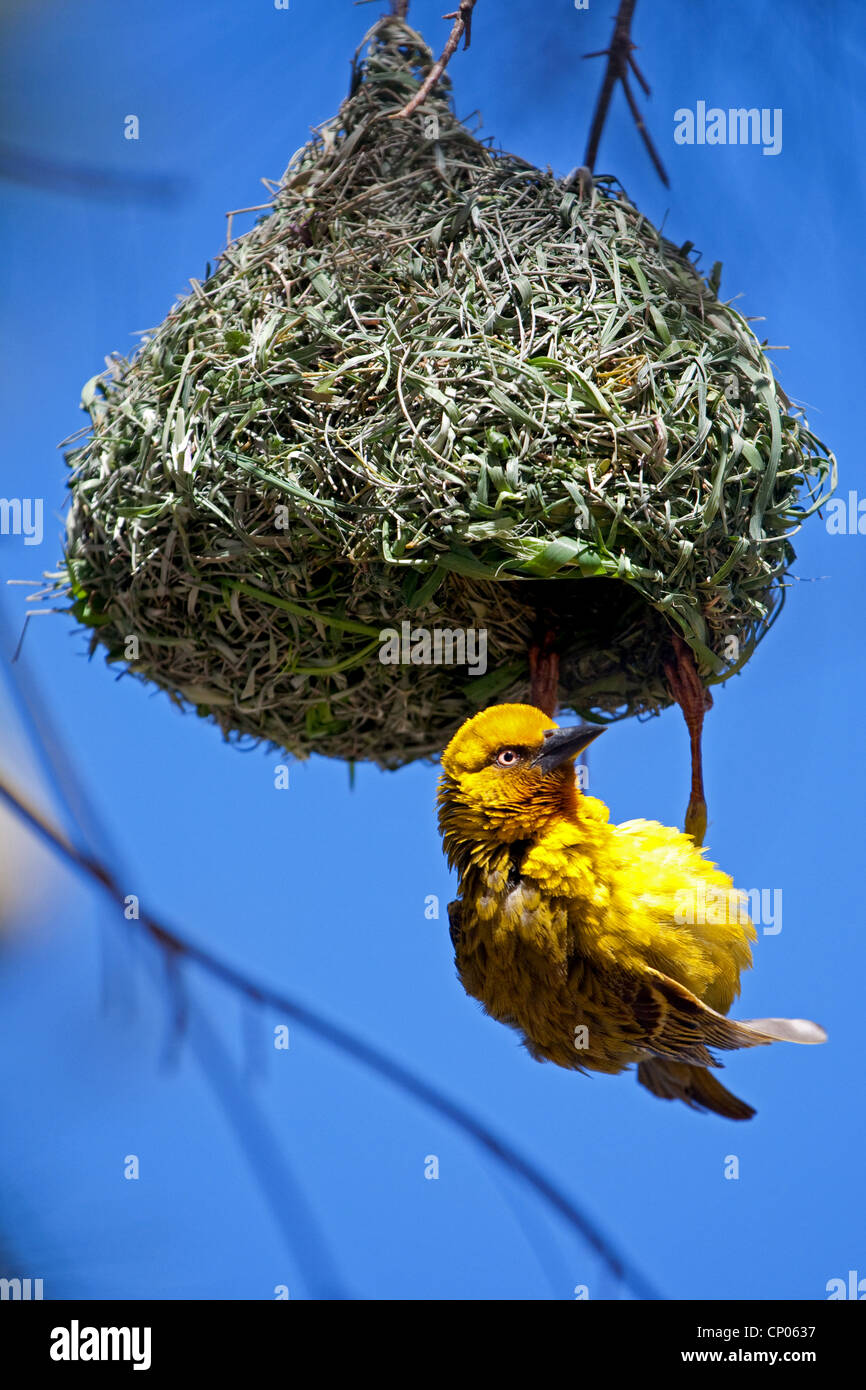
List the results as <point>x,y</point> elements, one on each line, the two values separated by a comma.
<point>696,1086</point>
<point>796,1030</point>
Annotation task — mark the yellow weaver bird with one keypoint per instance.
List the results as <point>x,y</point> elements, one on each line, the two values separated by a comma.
<point>593,940</point>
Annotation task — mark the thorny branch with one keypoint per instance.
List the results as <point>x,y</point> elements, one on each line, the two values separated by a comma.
<point>462,17</point>
<point>178,947</point>
<point>620,57</point>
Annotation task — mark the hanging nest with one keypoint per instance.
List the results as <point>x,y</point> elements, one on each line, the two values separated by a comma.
<point>434,385</point>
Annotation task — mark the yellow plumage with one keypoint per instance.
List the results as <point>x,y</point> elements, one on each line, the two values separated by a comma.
<point>605,945</point>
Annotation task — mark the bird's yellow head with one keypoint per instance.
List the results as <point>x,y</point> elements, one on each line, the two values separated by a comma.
<point>504,774</point>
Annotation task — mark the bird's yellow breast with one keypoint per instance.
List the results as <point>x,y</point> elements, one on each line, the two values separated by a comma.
<point>547,929</point>
<point>642,894</point>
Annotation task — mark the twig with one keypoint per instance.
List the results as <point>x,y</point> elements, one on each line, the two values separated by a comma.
<point>300,1229</point>
<point>304,1241</point>
<point>79,804</point>
<point>620,57</point>
<point>23,166</point>
<point>462,17</point>
<point>340,1038</point>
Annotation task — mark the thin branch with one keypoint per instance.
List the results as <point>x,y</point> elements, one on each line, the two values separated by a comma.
<point>79,804</point>
<point>300,1229</point>
<point>619,59</point>
<point>306,1244</point>
<point>462,17</point>
<point>638,74</point>
<point>27,167</point>
<point>645,135</point>
<point>340,1038</point>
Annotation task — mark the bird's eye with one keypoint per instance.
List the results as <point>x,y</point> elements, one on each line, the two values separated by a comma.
<point>507,757</point>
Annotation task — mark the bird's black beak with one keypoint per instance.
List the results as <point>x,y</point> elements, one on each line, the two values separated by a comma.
<point>562,744</point>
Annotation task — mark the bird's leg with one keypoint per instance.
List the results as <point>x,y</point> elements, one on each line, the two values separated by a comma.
<point>544,674</point>
<point>694,700</point>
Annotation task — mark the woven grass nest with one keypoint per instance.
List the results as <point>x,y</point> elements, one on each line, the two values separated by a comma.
<point>433,384</point>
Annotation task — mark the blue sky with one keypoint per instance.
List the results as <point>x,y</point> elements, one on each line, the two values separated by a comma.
<point>320,890</point>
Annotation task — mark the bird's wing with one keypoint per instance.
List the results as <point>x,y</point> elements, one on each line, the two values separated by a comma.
<point>668,1021</point>
<point>696,1086</point>
<point>469,957</point>
<point>455,918</point>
